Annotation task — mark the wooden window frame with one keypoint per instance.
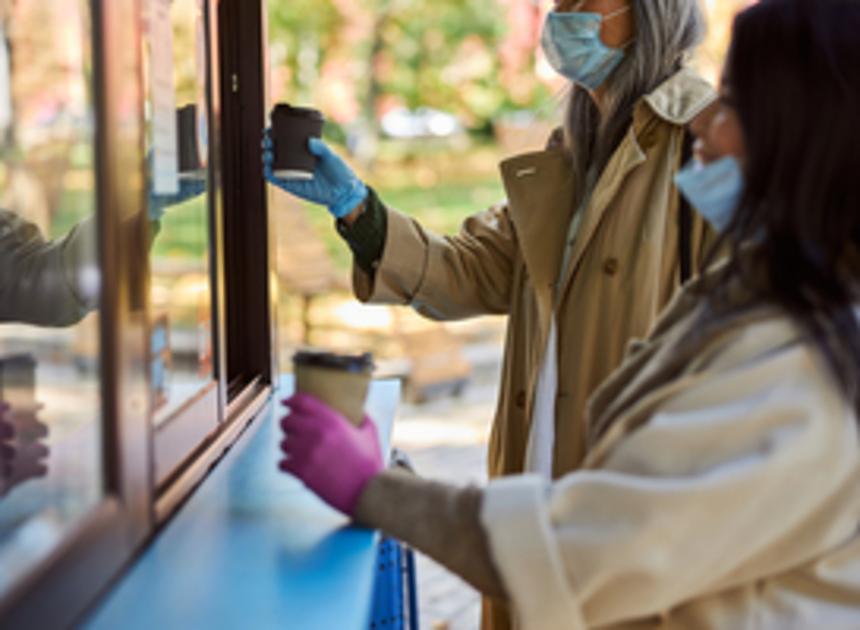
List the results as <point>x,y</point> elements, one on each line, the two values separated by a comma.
<point>249,271</point>
<point>137,496</point>
<point>56,591</point>
<point>186,432</point>
<point>240,246</point>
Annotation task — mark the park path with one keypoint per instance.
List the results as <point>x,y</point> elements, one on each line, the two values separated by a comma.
<point>446,439</point>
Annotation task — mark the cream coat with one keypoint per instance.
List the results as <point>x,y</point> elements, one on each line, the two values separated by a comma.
<point>722,493</point>
<point>623,270</point>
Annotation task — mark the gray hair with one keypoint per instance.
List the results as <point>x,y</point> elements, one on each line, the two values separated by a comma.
<point>666,32</point>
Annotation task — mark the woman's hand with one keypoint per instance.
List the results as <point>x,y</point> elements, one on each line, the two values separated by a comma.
<point>332,457</point>
<point>188,189</point>
<point>334,185</point>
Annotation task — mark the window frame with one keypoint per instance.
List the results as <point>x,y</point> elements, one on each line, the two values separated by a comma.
<point>249,267</point>
<point>241,270</point>
<point>55,592</point>
<point>138,497</point>
<point>183,433</point>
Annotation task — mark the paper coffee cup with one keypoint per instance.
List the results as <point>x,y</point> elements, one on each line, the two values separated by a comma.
<point>291,128</point>
<point>339,380</point>
<point>191,164</point>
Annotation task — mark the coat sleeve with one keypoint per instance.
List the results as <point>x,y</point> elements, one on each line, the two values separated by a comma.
<point>47,283</point>
<point>444,277</point>
<point>737,476</point>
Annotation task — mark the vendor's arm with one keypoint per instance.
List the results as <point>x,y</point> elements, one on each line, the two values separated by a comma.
<point>47,283</point>
<point>397,260</point>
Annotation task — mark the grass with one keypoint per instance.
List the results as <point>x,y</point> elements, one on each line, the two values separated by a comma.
<point>443,207</point>
<point>75,204</point>
<point>184,231</point>
<point>438,185</point>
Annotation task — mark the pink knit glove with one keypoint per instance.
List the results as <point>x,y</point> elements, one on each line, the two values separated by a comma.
<point>23,455</point>
<point>332,457</point>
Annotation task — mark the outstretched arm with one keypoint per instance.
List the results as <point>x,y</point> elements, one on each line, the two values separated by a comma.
<point>47,283</point>
<point>397,260</point>
<point>437,519</point>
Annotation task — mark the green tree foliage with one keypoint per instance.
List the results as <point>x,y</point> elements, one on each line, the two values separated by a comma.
<point>301,32</point>
<point>421,52</point>
<point>442,54</point>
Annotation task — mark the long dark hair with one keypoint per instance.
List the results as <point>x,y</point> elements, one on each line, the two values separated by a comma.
<point>793,74</point>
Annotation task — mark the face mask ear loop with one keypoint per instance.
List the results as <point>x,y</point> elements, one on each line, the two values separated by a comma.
<point>615,14</point>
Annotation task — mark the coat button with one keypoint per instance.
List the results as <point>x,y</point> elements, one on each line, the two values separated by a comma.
<point>610,266</point>
<point>521,399</point>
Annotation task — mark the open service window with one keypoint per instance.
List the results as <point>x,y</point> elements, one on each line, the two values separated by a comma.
<point>183,382</point>
<point>135,312</point>
<point>74,497</point>
<point>210,344</point>
<point>249,271</point>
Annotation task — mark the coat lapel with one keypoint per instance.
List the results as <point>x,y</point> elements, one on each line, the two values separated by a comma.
<point>540,191</point>
<point>677,101</point>
<point>628,156</point>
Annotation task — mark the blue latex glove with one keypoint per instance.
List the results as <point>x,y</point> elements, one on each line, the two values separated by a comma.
<point>157,202</point>
<point>334,185</point>
<point>188,189</point>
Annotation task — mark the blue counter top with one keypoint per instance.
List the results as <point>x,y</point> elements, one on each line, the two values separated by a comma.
<point>253,548</point>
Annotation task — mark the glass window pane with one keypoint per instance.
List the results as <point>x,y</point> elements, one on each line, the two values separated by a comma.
<point>50,405</point>
<point>181,296</point>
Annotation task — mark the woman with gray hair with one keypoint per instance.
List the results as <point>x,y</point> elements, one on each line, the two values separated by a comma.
<point>589,246</point>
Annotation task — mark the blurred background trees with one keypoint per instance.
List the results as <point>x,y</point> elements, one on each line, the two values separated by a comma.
<point>385,67</point>
<point>358,60</point>
<point>424,98</point>
<point>407,84</point>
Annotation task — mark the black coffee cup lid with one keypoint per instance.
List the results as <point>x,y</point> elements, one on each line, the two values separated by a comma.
<point>305,112</point>
<point>333,361</point>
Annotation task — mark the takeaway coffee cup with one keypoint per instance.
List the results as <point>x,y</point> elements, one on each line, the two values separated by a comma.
<point>18,381</point>
<point>188,143</point>
<point>339,380</point>
<point>291,129</point>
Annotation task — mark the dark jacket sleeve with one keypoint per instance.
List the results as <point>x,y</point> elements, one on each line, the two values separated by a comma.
<point>42,282</point>
<point>366,236</point>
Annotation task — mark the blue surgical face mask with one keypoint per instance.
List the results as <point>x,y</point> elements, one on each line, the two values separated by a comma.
<point>713,189</point>
<point>572,45</point>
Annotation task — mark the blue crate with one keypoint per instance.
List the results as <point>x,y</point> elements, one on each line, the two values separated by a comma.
<point>395,601</point>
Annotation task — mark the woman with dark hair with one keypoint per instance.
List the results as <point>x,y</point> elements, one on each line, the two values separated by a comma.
<point>721,488</point>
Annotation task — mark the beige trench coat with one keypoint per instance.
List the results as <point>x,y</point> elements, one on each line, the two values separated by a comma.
<point>623,270</point>
<point>722,491</point>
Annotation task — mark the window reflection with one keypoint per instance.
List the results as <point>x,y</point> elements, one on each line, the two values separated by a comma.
<point>23,436</point>
<point>180,298</point>
<point>50,425</point>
